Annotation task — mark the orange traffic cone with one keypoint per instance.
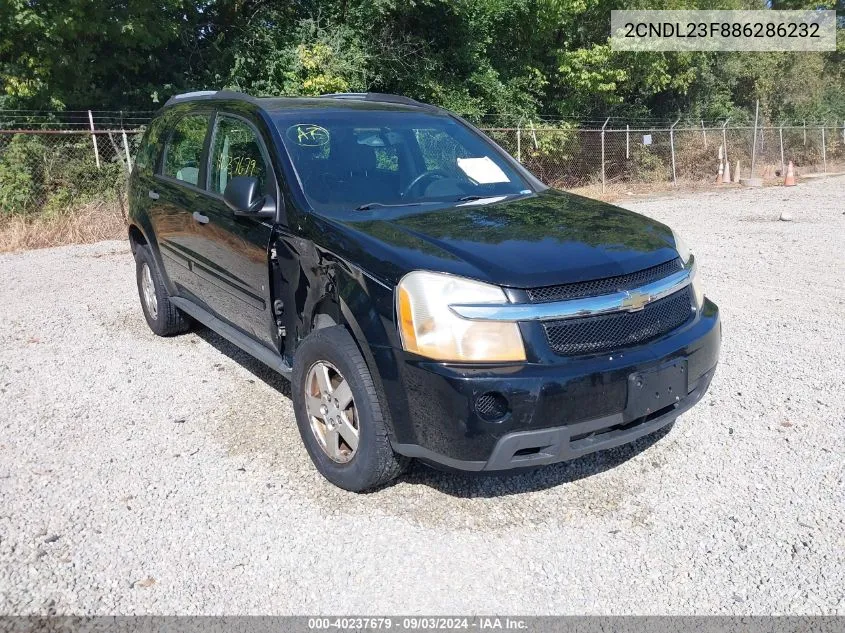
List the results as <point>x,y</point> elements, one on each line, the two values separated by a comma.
<point>736,172</point>
<point>789,181</point>
<point>727,177</point>
<point>719,180</point>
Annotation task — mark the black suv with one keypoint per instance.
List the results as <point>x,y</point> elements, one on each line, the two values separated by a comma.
<point>426,295</point>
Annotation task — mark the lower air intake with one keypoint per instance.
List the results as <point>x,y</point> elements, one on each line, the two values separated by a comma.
<point>491,406</point>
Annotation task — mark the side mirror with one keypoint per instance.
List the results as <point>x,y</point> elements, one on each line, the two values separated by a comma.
<point>243,198</point>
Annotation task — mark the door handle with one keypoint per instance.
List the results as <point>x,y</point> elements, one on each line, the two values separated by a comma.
<point>199,217</point>
<point>153,194</point>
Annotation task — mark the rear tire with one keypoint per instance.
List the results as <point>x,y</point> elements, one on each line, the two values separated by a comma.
<point>339,415</point>
<point>163,317</point>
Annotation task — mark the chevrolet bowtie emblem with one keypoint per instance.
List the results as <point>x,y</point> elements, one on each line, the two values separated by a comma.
<point>635,301</point>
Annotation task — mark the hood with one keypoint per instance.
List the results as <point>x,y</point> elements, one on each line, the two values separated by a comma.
<point>542,240</point>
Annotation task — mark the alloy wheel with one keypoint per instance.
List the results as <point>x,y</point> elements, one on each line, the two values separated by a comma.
<point>331,412</point>
<point>148,291</point>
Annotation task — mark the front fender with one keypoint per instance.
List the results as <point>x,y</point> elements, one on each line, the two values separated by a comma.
<point>313,281</point>
<point>366,307</point>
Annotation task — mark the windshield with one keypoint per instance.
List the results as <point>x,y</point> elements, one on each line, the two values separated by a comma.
<point>355,159</point>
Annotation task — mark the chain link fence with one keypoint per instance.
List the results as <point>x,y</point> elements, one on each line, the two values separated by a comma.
<point>55,172</point>
<point>63,186</point>
<point>613,160</point>
<point>56,167</point>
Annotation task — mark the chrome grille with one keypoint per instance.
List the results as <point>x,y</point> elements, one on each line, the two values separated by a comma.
<point>593,335</point>
<point>605,286</point>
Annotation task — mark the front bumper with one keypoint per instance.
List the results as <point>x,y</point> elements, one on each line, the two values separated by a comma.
<point>557,410</point>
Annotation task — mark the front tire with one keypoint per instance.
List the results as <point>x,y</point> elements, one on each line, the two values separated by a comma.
<point>163,317</point>
<point>339,415</point>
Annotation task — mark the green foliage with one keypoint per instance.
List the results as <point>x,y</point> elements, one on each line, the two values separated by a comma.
<point>550,143</point>
<point>304,58</point>
<point>512,59</point>
<point>18,188</point>
<point>38,176</point>
<point>94,53</point>
<point>589,78</point>
<point>646,165</point>
<point>500,61</point>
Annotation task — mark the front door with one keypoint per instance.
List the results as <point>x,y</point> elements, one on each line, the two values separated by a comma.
<point>232,251</point>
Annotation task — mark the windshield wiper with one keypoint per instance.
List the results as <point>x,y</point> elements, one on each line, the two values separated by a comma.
<point>501,196</point>
<point>373,205</point>
<point>476,197</point>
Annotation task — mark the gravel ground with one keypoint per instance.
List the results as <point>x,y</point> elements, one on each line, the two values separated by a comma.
<point>149,475</point>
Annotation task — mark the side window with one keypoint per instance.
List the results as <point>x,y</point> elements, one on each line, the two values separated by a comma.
<point>149,147</point>
<point>236,151</point>
<point>184,151</point>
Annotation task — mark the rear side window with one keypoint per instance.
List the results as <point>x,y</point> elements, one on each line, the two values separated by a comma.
<point>150,147</point>
<point>183,155</point>
<point>236,151</point>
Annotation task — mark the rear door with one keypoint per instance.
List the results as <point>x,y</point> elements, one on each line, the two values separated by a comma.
<point>176,194</point>
<point>232,251</point>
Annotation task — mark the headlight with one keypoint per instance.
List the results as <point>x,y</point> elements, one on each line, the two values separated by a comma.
<point>428,326</point>
<point>684,251</point>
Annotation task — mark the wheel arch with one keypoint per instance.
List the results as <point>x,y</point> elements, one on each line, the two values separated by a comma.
<point>326,313</point>
<point>320,289</point>
<point>136,237</point>
<point>140,235</point>
<point>366,309</point>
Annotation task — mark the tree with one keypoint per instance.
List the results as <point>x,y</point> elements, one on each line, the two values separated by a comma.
<point>511,60</point>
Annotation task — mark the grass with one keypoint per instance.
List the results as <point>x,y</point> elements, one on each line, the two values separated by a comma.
<point>93,222</point>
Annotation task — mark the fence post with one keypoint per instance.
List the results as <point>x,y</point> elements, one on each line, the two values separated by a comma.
<point>824,152</point>
<point>805,132</point>
<point>782,163</point>
<point>126,149</point>
<point>704,133</point>
<point>94,139</point>
<point>672,146</point>
<point>518,144</point>
<point>754,145</point>
<point>602,153</point>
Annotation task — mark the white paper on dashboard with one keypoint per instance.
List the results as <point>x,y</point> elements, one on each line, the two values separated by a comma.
<point>482,170</point>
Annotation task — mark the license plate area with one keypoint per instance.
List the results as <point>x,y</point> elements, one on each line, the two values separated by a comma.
<point>655,389</point>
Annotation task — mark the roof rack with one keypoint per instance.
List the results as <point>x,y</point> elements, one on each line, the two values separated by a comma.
<point>200,95</point>
<point>376,96</point>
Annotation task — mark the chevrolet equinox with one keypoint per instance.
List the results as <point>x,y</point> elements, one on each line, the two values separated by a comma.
<point>426,295</point>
